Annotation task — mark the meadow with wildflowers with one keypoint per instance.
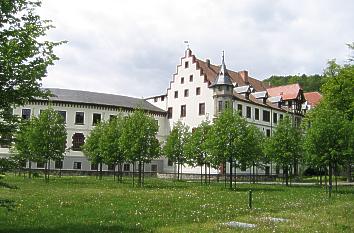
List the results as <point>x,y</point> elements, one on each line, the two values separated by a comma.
<point>86,204</point>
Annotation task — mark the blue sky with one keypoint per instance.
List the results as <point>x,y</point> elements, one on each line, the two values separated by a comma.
<point>132,47</point>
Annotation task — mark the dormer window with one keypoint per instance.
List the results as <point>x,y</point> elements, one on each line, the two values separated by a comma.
<point>186,64</point>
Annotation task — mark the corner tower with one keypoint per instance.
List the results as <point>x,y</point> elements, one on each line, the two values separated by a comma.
<point>222,89</point>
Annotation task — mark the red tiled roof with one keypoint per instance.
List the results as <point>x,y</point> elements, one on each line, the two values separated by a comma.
<point>313,98</point>
<point>212,71</point>
<point>288,92</point>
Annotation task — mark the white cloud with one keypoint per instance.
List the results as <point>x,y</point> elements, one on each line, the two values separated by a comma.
<point>132,47</point>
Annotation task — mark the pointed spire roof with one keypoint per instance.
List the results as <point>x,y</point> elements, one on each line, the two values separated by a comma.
<point>223,77</point>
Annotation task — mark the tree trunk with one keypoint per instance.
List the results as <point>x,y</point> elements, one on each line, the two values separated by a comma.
<point>230,175</point>
<point>48,170</point>
<point>320,176</point>
<point>101,170</point>
<point>286,171</point>
<point>336,175</point>
<point>139,172</point>
<point>205,173</point>
<point>29,169</point>
<point>330,173</point>
<point>209,173</point>
<point>349,171</point>
<point>224,171</point>
<point>133,174</point>
<point>178,171</point>
<point>201,174</point>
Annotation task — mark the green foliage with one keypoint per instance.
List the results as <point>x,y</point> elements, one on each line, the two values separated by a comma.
<point>285,147</point>
<point>174,148</point>
<point>24,57</point>
<point>138,140</point>
<point>307,82</point>
<point>42,139</point>
<point>92,147</point>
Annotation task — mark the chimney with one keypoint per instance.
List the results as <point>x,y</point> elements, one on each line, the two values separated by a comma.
<point>208,62</point>
<point>244,76</point>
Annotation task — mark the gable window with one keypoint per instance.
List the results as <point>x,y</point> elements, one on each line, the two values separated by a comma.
<point>182,80</point>
<point>239,108</point>
<point>96,118</point>
<point>266,116</point>
<point>26,114</point>
<point>186,64</point>
<point>190,78</point>
<point>78,141</point>
<point>79,118</point>
<point>176,94</point>
<point>197,91</point>
<point>275,117</point>
<point>256,114</point>
<point>58,164</point>
<point>202,109</point>
<point>186,93</point>
<point>183,110</point>
<point>248,112</point>
<point>77,165</point>
<point>63,115</point>
<point>169,113</point>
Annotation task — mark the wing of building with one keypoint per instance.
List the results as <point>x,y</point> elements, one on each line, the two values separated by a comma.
<point>198,91</point>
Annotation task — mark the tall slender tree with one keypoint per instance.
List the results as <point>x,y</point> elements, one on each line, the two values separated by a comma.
<point>174,148</point>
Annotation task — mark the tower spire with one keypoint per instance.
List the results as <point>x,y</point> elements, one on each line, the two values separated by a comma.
<point>223,77</point>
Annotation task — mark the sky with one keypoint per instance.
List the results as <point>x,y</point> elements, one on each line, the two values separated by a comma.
<point>133,47</point>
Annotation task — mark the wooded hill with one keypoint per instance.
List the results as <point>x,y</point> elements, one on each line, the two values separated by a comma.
<point>307,82</point>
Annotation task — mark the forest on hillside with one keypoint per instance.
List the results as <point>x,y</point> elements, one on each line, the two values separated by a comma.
<point>307,82</point>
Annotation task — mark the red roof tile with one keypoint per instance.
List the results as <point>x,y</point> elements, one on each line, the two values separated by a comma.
<point>288,92</point>
<point>313,98</point>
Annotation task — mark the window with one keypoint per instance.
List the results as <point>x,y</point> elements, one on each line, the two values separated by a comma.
<point>183,110</point>
<point>267,170</point>
<point>197,91</point>
<point>227,104</point>
<point>26,114</point>
<point>281,116</point>
<point>243,167</point>
<point>78,141</point>
<point>202,109</point>
<point>266,116</point>
<point>275,117</point>
<point>256,114</point>
<point>220,106</point>
<point>169,163</point>
<point>96,118</point>
<point>186,64</point>
<point>155,99</point>
<point>277,169</point>
<point>79,118</point>
<point>63,115</point>
<point>40,164</point>
<point>182,80</point>
<point>111,167</point>
<point>169,113</point>
<point>126,167</point>
<point>112,117</point>
<point>5,140</point>
<point>77,165</point>
<point>268,132</point>
<point>154,167</point>
<point>94,166</point>
<point>176,94</point>
<point>186,93</point>
<point>58,164</point>
<point>162,98</point>
<point>239,108</point>
<point>248,112</point>
<point>190,78</point>
<point>290,103</point>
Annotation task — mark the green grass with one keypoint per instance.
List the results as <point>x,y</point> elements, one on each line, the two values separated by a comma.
<point>84,204</point>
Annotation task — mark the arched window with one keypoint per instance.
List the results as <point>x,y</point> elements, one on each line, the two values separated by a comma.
<point>78,141</point>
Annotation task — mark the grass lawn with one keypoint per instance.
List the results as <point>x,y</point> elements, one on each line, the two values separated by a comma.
<point>84,204</point>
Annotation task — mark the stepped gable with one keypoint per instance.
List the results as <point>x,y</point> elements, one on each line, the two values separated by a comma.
<point>313,98</point>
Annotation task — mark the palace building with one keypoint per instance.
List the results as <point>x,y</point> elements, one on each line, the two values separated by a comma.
<point>198,91</point>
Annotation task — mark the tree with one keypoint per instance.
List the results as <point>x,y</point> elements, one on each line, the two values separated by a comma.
<point>329,137</point>
<point>138,140</point>
<point>227,140</point>
<point>284,147</point>
<point>110,146</point>
<point>196,148</point>
<point>24,58</point>
<point>174,148</point>
<point>93,145</point>
<point>48,138</point>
